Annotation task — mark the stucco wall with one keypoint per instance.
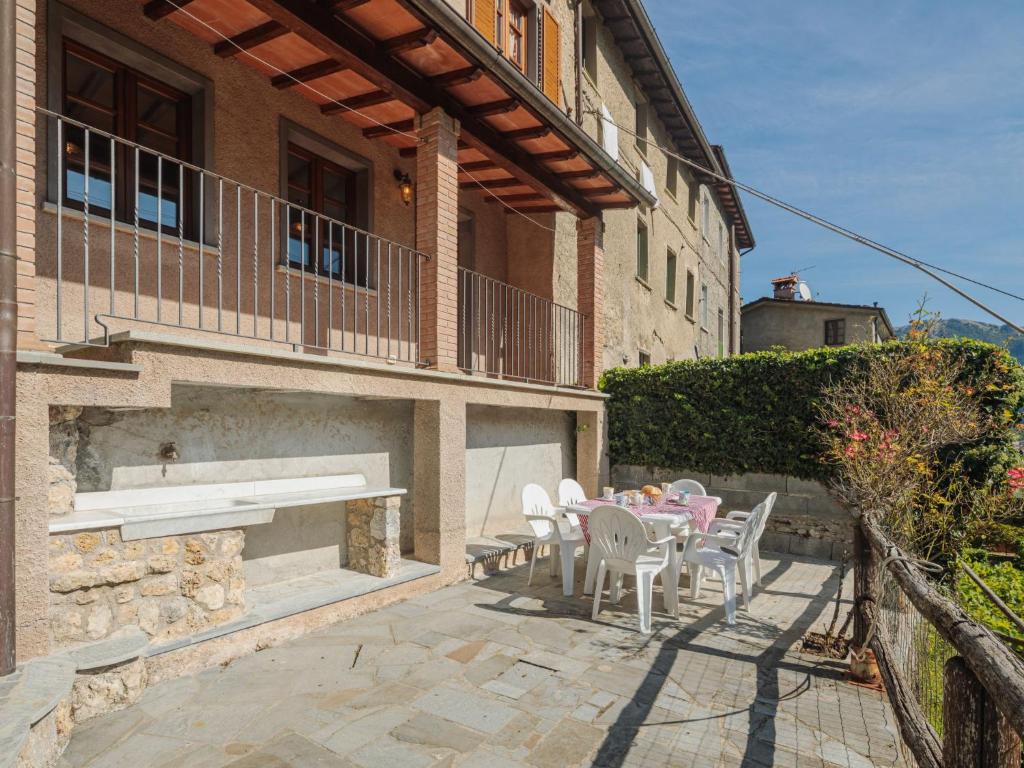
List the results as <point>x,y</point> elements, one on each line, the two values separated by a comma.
<point>505,449</point>
<point>637,314</point>
<point>801,325</point>
<point>234,435</point>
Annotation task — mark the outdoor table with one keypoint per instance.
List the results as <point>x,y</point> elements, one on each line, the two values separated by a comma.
<point>667,518</point>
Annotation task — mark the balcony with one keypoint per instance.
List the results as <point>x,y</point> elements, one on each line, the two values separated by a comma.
<point>133,237</point>
<point>197,252</point>
<point>510,333</point>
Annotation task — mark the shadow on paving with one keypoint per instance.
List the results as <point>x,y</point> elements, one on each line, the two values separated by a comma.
<point>761,734</point>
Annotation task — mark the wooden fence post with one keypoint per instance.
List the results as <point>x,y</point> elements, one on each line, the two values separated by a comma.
<point>975,734</point>
<point>865,585</point>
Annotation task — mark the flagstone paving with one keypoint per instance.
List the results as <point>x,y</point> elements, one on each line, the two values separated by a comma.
<point>494,673</point>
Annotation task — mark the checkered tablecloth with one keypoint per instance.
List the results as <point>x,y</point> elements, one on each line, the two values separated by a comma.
<point>701,510</point>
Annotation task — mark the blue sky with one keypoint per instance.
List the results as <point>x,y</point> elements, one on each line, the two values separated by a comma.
<point>900,120</point>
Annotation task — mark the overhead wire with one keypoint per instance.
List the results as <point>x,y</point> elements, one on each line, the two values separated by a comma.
<point>836,228</point>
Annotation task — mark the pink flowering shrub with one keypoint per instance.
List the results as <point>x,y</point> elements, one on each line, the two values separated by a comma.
<point>888,436</point>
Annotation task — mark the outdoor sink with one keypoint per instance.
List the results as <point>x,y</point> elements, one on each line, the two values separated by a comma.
<point>181,508</point>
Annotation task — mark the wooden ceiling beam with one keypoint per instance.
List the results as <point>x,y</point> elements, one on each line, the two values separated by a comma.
<point>526,197</point>
<point>388,129</point>
<point>410,41</point>
<point>557,156</point>
<point>370,99</point>
<point>158,9</point>
<point>590,173</point>
<point>243,41</point>
<point>340,39</point>
<point>534,209</point>
<point>309,72</point>
<point>521,134</point>
<point>599,191</point>
<point>457,77</point>
<point>346,5</point>
<point>500,107</point>
<point>491,184</point>
<point>478,165</point>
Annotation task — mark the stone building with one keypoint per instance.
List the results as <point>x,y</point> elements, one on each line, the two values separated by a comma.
<point>791,319</point>
<point>308,291</point>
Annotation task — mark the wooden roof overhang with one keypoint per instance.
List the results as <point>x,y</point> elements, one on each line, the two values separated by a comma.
<point>732,203</point>
<point>634,34</point>
<point>395,59</point>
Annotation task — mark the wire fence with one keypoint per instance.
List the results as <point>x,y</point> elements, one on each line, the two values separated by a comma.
<point>923,638</point>
<point>916,650</point>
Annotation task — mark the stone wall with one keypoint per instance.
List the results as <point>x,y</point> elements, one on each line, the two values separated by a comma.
<point>805,521</point>
<point>168,587</point>
<point>372,529</point>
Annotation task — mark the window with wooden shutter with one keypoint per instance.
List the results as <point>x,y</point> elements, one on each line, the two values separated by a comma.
<point>484,18</point>
<point>552,57</point>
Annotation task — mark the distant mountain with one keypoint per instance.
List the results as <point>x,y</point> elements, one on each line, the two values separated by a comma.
<point>1000,335</point>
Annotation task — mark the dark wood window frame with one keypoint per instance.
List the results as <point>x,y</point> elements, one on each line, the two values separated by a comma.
<point>643,249</point>
<point>349,242</point>
<point>126,124</point>
<point>835,332</point>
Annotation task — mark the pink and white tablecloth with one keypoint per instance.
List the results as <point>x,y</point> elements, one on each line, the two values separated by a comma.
<point>701,510</point>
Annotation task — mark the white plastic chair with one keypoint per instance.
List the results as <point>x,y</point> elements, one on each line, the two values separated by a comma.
<point>543,518</point>
<point>724,553</point>
<point>570,492</point>
<point>733,520</point>
<point>689,485</point>
<point>619,538</point>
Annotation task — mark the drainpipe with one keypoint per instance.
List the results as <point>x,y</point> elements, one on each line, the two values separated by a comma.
<point>8,330</point>
<point>577,21</point>
<point>732,293</point>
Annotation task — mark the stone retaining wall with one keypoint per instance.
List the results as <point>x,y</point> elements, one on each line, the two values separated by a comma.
<point>168,587</point>
<point>805,521</point>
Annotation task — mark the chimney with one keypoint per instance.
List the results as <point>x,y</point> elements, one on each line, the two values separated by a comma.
<point>785,287</point>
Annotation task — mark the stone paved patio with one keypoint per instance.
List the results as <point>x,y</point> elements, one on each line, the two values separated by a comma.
<point>492,673</point>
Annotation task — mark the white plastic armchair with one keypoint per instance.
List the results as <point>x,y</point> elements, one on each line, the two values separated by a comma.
<point>735,520</point>
<point>570,492</point>
<point>689,485</point>
<point>543,518</point>
<point>620,540</point>
<point>725,552</point>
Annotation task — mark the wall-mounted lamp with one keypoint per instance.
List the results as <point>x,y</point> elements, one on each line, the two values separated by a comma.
<point>404,186</point>
<point>70,148</point>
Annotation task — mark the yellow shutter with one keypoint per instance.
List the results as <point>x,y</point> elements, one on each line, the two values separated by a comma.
<point>483,18</point>
<point>552,57</point>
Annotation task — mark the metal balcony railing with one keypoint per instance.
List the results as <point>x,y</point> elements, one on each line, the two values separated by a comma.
<point>510,333</point>
<point>144,237</point>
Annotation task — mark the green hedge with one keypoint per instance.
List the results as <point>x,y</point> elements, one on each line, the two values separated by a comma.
<point>757,412</point>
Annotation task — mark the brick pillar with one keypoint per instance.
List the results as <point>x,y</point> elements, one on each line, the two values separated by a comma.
<point>25,126</point>
<point>439,485</point>
<point>590,287</point>
<point>437,235</point>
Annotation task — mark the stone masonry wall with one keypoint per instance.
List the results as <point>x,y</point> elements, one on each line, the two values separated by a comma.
<point>169,587</point>
<point>372,530</point>
<point>805,521</point>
